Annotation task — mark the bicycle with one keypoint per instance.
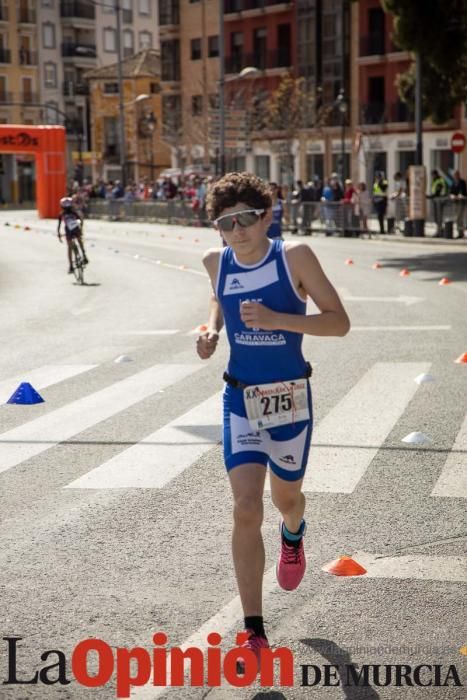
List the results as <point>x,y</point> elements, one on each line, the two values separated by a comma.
<point>78,264</point>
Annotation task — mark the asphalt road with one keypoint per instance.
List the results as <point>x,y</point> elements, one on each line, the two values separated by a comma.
<point>114,503</point>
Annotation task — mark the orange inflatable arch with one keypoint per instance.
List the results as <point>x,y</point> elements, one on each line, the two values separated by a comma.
<point>48,145</point>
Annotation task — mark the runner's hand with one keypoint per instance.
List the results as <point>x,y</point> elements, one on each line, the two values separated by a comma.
<point>255,315</point>
<point>206,344</point>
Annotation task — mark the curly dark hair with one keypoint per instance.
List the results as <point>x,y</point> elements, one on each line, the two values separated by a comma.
<point>237,187</point>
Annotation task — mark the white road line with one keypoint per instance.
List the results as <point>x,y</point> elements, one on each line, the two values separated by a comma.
<point>164,331</point>
<point>414,566</point>
<point>41,377</point>
<point>400,328</point>
<point>452,481</point>
<point>163,455</point>
<point>222,623</point>
<point>38,435</point>
<point>408,301</point>
<point>348,438</point>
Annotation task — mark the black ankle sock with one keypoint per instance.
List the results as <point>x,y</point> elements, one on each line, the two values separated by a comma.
<point>256,624</point>
<point>295,542</point>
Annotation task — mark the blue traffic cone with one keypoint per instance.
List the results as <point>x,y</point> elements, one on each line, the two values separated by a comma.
<point>25,394</point>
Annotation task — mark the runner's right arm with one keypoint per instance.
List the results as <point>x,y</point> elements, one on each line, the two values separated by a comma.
<point>207,340</point>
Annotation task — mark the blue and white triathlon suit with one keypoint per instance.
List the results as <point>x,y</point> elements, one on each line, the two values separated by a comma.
<point>259,357</point>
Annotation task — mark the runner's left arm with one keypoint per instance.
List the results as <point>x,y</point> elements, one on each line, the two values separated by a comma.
<point>309,278</point>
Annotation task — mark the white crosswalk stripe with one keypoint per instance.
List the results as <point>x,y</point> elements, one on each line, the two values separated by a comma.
<point>344,443</point>
<point>348,438</point>
<point>41,378</point>
<point>161,456</point>
<point>452,481</point>
<point>40,434</point>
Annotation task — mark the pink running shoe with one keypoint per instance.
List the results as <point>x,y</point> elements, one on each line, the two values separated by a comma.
<point>291,566</point>
<point>254,643</point>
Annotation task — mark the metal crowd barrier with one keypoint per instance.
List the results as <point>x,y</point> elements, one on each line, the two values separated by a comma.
<point>444,215</point>
<point>344,219</point>
<point>169,212</point>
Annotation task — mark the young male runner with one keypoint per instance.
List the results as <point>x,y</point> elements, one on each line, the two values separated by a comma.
<point>260,288</point>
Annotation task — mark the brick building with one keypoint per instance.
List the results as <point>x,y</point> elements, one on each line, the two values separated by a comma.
<point>385,123</point>
<point>146,153</point>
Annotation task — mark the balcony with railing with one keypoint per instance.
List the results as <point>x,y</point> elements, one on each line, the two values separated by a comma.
<point>373,44</point>
<point>169,13</point>
<point>29,98</point>
<point>5,97</point>
<point>4,15</point>
<point>26,15</point>
<point>72,87</point>
<point>5,56</point>
<point>400,112</point>
<point>78,9</point>
<point>231,6</point>
<point>263,60</point>
<point>27,57</point>
<point>80,50</point>
<point>385,113</point>
<point>373,113</point>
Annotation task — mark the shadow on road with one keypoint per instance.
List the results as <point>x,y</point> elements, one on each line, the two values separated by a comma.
<point>341,659</point>
<point>87,284</point>
<point>452,264</point>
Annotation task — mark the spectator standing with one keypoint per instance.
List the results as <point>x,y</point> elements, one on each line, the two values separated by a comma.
<point>275,229</point>
<point>439,190</point>
<point>296,204</point>
<point>117,190</point>
<point>380,198</point>
<point>396,201</point>
<point>307,208</point>
<point>327,208</point>
<point>348,201</point>
<point>458,191</point>
<point>363,205</point>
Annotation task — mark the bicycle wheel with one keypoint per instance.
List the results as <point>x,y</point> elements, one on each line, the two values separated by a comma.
<point>77,264</point>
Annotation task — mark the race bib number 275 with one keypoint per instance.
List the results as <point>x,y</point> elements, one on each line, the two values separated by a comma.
<point>278,403</point>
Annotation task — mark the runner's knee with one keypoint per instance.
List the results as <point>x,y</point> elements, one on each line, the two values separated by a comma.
<point>248,511</point>
<point>287,502</point>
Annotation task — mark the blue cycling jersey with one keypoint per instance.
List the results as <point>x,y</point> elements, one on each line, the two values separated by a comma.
<point>260,356</point>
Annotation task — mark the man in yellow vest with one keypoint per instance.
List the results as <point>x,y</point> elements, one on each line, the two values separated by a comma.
<point>438,191</point>
<point>380,198</point>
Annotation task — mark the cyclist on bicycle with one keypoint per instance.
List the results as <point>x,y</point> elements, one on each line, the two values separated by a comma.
<point>73,223</point>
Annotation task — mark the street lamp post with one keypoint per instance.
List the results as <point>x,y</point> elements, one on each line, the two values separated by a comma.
<point>118,10</point>
<point>244,73</point>
<point>343,108</point>
<point>221,89</point>
<point>118,46</point>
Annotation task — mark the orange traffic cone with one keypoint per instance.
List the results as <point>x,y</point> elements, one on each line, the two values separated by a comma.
<point>344,566</point>
<point>444,281</point>
<point>349,261</point>
<point>376,266</point>
<point>404,272</point>
<point>462,359</point>
<point>202,328</point>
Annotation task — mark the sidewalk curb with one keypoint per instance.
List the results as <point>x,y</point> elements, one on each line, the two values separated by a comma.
<point>460,243</point>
